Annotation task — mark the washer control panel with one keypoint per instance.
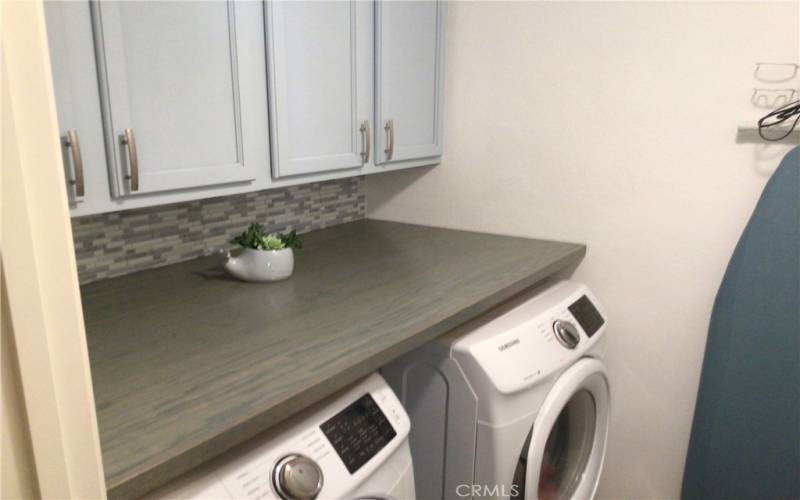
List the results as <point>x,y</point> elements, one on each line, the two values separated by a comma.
<point>566,333</point>
<point>536,337</point>
<point>586,313</point>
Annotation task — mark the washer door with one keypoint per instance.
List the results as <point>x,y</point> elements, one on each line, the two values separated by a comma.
<point>563,454</point>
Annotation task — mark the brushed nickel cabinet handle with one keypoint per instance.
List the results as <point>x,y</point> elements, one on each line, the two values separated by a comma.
<point>389,128</point>
<point>77,162</point>
<point>364,129</point>
<point>133,161</point>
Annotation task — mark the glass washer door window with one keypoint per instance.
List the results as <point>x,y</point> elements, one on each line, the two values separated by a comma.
<point>563,452</point>
<point>568,447</point>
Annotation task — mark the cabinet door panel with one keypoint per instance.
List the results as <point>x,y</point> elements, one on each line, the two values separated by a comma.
<point>169,72</point>
<point>69,32</point>
<point>409,68</point>
<point>315,99</point>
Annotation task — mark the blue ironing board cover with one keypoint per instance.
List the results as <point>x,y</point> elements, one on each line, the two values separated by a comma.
<point>745,440</point>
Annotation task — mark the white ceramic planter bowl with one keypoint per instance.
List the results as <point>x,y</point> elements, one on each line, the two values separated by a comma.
<point>261,265</point>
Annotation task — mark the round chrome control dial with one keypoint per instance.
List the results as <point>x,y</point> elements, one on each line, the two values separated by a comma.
<point>566,333</point>
<point>297,477</point>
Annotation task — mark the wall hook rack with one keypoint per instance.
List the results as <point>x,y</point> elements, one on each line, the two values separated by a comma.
<point>775,72</point>
<point>772,98</point>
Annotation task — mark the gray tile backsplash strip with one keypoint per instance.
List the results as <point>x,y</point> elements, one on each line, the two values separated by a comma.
<point>118,243</point>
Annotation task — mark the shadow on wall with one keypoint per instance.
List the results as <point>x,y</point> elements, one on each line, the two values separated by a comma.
<point>766,157</point>
<point>399,181</point>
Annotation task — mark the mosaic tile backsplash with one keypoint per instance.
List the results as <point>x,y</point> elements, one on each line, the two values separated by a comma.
<point>118,243</point>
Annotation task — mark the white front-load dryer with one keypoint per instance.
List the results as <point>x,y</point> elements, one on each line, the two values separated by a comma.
<point>514,404</point>
<point>351,446</point>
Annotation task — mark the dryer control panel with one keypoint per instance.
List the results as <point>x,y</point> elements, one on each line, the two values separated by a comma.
<point>327,452</point>
<point>359,432</point>
<point>537,337</point>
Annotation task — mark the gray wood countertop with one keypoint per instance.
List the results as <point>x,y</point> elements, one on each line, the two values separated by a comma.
<point>187,363</point>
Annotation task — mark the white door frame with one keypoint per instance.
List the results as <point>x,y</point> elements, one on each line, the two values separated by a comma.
<point>38,263</point>
<point>586,374</point>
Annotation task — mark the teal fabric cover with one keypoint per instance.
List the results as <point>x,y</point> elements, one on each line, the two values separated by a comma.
<point>745,440</point>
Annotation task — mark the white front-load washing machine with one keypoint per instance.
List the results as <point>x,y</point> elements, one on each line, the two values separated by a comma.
<point>351,446</point>
<point>514,404</point>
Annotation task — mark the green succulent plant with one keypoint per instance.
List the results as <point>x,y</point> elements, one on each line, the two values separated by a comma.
<point>271,242</point>
<point>257,238</point>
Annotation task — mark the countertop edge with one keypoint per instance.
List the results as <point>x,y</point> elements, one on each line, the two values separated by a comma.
<point>151,475</point>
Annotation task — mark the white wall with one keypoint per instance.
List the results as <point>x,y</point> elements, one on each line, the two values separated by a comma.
<point>612,124</point>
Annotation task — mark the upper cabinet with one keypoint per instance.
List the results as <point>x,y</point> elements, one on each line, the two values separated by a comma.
<point>320,106</point>
<point>159,101</point>
<point>163,101</point>
<point>169,82</point>
<point>69,29</point>
<point>409,69</point>
<point>354,84</point>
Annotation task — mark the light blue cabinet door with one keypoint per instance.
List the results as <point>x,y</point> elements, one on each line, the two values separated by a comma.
<point>409,53</point>
<point>317,93</point>
<point>69,29</point>
<point>169,81</point>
